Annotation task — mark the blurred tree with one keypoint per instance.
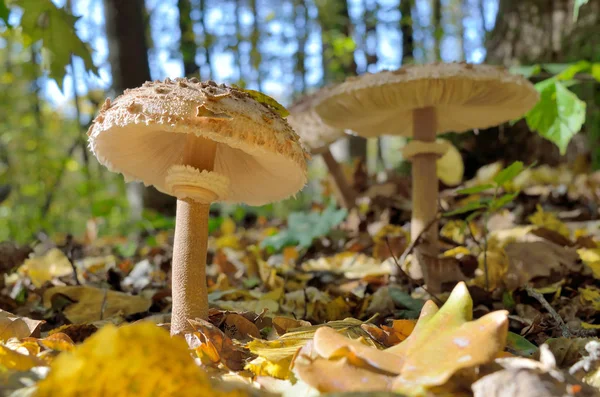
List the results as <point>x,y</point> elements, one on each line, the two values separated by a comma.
<point>337,52</point>
<point>255,41</point>
<point>187,41</point>
<point>438,29</point>
<point>128,57</point>
<point>301,20</point>
<point>406,29</point>
<point>532,32</point>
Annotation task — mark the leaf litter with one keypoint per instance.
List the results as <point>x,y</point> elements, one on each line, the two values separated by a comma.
<point>325,305</point>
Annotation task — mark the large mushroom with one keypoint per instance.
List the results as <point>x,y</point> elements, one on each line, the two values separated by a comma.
<point>421,101</point>
<point>318,136</point>
<point>202,143</point>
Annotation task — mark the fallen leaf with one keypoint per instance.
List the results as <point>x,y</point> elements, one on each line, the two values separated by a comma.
<point>240,328</point>
<point>12,326</point>
<point>212,346</point>
<point>94,304</point>
<point>44,268</point>
<point>155,364</point>
<point>13,360</point>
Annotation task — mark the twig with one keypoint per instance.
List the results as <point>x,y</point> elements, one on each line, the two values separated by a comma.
<point>104,301</point>
<point>69,253</point>
<point>566,332</point>
<point>437,300</point>
<point>418,240</point>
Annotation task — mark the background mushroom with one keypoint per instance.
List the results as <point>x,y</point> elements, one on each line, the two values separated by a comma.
<point>421,101</point>
<point>202,143</point>
<point>318,136</point>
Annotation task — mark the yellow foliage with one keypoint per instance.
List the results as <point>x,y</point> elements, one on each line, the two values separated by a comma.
<point>13,360</point>
<point>497,267</point>
<point>94,304</point>
<point>44,268</point>
<point>591,258</point>
<point>455,230</point>
<point>135,360</point>
<point>450,167</point>
<point>549,221</point>
<point>263,367</point>
<point>591,295</point>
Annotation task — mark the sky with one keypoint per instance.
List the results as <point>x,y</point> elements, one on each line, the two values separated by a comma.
<point>165,35</point>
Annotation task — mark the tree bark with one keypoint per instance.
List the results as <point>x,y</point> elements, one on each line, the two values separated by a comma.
<point>438,31</point>
<point>532,32</point>
<point>406,28</point>
<point>187,42</point>
<point>128,57</point>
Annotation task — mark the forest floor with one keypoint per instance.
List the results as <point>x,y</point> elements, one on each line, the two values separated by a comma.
<point>527,325</point>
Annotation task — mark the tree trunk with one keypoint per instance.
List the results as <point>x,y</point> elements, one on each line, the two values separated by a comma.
<point>437,28</point>
<point>207,43</point>
<point>187,42</point>
<point>531,32</point>
<point>255,54</point>
<point>335,25</point>
<point>128,57</point>
<point>301,19</point>
<point>406,28</point>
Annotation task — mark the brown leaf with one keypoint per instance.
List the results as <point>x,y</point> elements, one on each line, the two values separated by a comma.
<point>12,326</point>
<point>284,324</point>
<point>239,327</point>
<point>213,347</point>
<point>528,260</point>
<point>340,376</point>
<point>330,344</point>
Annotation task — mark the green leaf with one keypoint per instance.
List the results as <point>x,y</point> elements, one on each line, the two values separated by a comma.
<point>304,228</point>
<point>558,116</point>
<point>595,71</point>
<point>576,7</point>
<point>472,206</point>
<point>572,69</point>
<point>55,27</point>
<point>520,346</point>
<point>509,173</point>
<point>4,12</point>
<point>402,299</point>
<point>475,189</point>
<point>265,100</point>
<point>502,201</point>
<point>526,71</point>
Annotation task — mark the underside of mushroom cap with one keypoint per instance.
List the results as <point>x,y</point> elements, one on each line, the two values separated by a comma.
<point>464,96</point>
<point>144,132</point>
<point>313,132</point>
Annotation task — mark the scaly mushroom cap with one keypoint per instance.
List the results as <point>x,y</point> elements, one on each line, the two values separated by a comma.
<point>306,122</point>
<point>143,134</point>
<point>464,96</point>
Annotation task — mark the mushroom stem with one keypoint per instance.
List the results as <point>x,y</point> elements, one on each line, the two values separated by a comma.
<point>344,191</point>
<point>424,181</point>
<point>190,296</point>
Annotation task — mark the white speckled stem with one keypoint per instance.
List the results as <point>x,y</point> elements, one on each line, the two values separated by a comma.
<point>344,191</point>
<point>190,297</point>
<point>424,179</point>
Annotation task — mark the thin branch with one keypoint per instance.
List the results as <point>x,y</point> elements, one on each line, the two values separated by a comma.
<point>566,332</point>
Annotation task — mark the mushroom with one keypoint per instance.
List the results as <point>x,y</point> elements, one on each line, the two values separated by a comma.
<point>421,101</point>
<point>318,137</point>
<point>202,143</point>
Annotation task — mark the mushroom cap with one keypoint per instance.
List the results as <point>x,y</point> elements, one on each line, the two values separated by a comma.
<point>142,134</point>
<point>313,132</point>
<point>465,97</point>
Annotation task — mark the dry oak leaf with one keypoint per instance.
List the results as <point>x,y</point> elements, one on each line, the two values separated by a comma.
<point>12,326</point>
<point>213,347</point>
<point>95,304</point>
<point>417,361</point>
<point>134,360</point>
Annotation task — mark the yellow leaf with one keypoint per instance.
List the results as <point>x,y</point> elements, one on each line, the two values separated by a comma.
<point>455,230</point>
<point>456,252</point>
<point>591,258</point>
<point>12,360</point>
<point>227,226</point>
<point>450,167</point>
<point>94,304</point>
<point>44,268</point>
<point>135,360</point>
<point>418,363</point>
<point>590,294</point>
<point>263,367</point>
<point>549,221</point>
<point>585,325</point>
<point>497,267</point>
<point>12,326</point>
